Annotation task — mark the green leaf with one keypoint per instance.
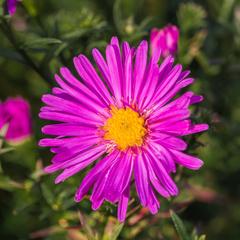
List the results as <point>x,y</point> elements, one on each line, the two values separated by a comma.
<point>195,236</point>
<point>5,150</point>
<point>97,44</point>
<point>208,68</point>
<point>11,54</point>
<point>226,10</point>
<point>180,228</point>
<point>48,194</point>
<point>3,132</point>
<point>38,43</point>
<point>8,184</point>
<point>75,34</point>
<point>191,16</point>
<point>145,24</point>
<point>86,227</point>
<point>112,229</point>
<point>117,230</point>
<point>189,49</point>
<point>72,25</point>
<point>31,7</point>
<point>51,54</point>
<point>117,15</point>
<point>202,237</point>
<point>1,8</point>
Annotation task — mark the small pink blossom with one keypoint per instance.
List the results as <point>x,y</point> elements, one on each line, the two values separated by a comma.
<point>12,6</point>
<point>165,40</point>
<point>15,113</point>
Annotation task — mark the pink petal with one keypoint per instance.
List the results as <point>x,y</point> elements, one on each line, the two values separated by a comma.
<point>187,160</point>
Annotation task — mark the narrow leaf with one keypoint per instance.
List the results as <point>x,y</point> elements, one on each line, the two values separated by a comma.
<point>5,150</point>
<point>38,43</point>
<point>180,228</point>
<point>117,230</point>
<point>11,54</point>
<point>48,194</point>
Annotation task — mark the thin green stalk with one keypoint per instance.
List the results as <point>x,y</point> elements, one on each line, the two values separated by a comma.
<point>7,31</point>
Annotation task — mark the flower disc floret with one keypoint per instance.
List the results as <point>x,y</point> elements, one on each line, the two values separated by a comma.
<point>125,128</point>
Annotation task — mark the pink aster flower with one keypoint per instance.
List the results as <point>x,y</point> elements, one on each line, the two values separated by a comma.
<point>12,6</point>
<point>121,117</point>
<point>165,40</point>
<point>15,113</point>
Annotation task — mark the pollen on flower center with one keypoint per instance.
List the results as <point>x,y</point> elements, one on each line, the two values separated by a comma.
<point>125,127</point>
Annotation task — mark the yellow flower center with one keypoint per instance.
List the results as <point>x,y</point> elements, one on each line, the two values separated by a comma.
<point>125,128</point>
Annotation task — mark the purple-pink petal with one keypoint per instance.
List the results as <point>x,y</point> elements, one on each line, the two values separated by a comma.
<point>12,6</point>
<point>187,160</point>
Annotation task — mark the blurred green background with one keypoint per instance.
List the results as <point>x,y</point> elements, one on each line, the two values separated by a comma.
<point>44,35</point>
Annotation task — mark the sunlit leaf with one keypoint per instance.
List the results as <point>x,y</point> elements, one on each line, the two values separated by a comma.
<point>113,229</point>
<point>8,184</point>
<point>5,150</point>
<point>30,6</point>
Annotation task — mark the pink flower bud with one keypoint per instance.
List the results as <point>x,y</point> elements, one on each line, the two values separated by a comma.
<point>15,114</point>
<point>164,40</point>
<point>12,6</point>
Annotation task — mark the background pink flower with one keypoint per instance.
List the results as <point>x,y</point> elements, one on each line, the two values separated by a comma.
<point>165,40</point>
<point>12,6</point>
<point>16,113</point>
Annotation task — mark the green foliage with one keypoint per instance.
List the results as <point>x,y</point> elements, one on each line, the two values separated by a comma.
<point>31,7</point>
<point>191,16</point>
<point>112,230</point>
<point>180,228</point>
<point>38,43</point>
